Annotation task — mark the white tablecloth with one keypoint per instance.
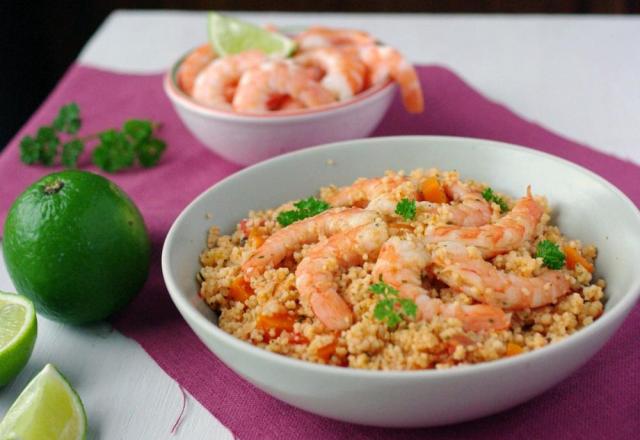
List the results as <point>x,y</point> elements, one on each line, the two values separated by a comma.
<point>575,75</point>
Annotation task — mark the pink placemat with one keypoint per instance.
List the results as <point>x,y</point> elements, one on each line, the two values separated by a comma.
<point>601,400</point>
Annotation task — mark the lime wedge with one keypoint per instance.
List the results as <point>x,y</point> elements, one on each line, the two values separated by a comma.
<point>48,408</point>
<point>18,329</point>
<point>229,36</point>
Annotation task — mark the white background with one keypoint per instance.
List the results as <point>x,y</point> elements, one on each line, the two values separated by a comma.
<point>579,76</point>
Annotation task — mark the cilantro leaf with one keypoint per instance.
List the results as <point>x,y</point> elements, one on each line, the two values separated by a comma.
<point>116,150</point>
<point>48,143</point>
<point>304,208</point>
<point>406,209</point>
<point>391,308</point>
<point>68,119</point>
<point>71,151</point>
<point>138,130</point>
<point>29,150</point>
<point>490,196</point>
<point>551,255</point>
<point>150,152</point>
<point>114,153</point>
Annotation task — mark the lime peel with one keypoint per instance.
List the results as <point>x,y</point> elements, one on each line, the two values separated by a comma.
<point>48,407</point>
<point>18,331</point>
<point>231,36</point>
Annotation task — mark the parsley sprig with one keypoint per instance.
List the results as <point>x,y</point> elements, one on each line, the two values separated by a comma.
<point>490,196</point>
<point>391,308</point>
<point>551,255</point>
<point>304,208</point>
<point>406,209</point>
<point>116,149</point>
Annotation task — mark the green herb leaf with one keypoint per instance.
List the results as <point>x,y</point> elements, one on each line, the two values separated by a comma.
<point>138,130</point>
<point>408,307</point>
<point>48,142</point>
<point>71,151</point>
<point>68,119</point>
<point>490,196</point>
<point>406,209</point>
<point>391,308</point>
<point>551,255</point>
<point>150,152</point>
<point>116,150</point>
<point>29,150</point>
<point>304,208</point>
<point>114,153</point>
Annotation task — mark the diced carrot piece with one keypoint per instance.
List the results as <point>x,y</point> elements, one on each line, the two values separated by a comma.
<point>432,191</point>
<point>256,237</point>
<point>574,257</point>
<point>325,352</point>
<point>514,349</point>
<point>278,321</point>
<point>240,289</point>
<point>299,338</point>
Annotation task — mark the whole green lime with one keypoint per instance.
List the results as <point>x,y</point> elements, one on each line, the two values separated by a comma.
<point>77,245</point>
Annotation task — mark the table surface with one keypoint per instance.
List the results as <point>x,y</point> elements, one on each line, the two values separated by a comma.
<point>575,75</point>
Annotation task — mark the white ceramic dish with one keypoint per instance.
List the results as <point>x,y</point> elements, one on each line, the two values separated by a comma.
<point>247,139</point>
<point>586,207</point>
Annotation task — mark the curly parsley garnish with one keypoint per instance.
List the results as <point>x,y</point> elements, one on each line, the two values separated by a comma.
<point>304,208</point>
<point>490,196</point>
<point>391,308</point>
<point>406,209</point>
<point>116,149</point>
<point>551,255</point>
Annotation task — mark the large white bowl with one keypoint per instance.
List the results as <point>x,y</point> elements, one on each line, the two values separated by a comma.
<point>247,139</point>
<point>586,207</point>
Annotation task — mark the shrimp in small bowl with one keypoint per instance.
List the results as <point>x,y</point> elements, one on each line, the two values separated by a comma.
<point>249,106</point>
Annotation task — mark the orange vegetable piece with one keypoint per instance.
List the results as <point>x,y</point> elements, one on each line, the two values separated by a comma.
<point>278,321</point>
<point>432,191</point>
<point>256,237</point>
<point>574,257</point>
<point>514,349</point>
<point>240,289</point>
<point>325,352</point>
<point>299,338</point>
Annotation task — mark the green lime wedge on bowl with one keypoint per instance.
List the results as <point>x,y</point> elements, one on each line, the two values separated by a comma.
<point>48,408</point>
<point>229,36</point>
<point>18,330</point>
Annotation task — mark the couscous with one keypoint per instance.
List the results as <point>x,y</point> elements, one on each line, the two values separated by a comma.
<point>402,272</point>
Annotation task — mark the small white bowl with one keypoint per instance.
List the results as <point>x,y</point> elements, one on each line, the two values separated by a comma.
<point>585,207</point>
<point>247,139</point>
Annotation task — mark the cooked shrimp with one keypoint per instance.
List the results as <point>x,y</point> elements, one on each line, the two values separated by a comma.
<point>385,63</point>
<point>508,233</point>
<point>316,275</point>
<point>319,36</point>
<point>473,209</point>
<point>341,73</point>
<point>192,65</point>
<point>363,190</point>
<point>259,85</point>
<point>482,281</point>
<point>213,84</point>
<point>400,264</point>
<point>287,240</point>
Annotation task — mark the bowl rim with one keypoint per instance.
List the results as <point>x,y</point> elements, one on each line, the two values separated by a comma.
<point>177,95</point>
<point>614,316</point>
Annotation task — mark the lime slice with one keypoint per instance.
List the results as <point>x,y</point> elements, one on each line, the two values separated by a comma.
<point>229,36</point>
<point>48,408</point>
<point>18,329</point>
